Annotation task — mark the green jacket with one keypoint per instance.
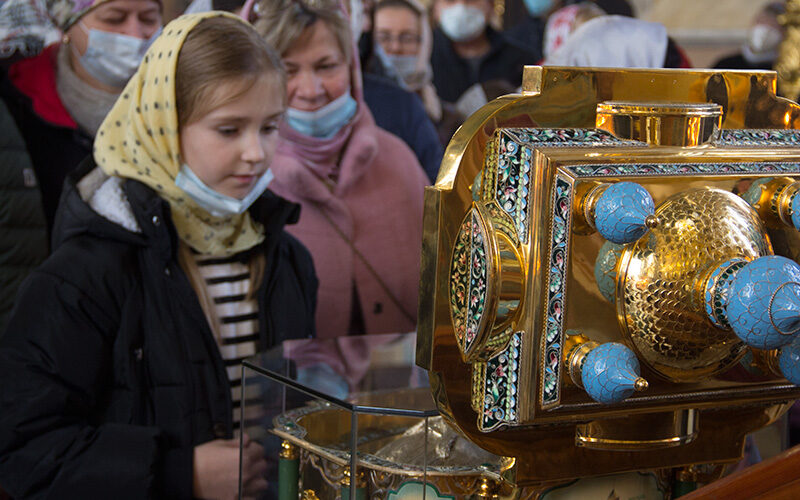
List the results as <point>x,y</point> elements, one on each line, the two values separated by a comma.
<point>23,232</point>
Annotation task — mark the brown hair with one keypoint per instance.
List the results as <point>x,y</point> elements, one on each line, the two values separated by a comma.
<point>283,22</point>
<point>586,12</point>
<point>220,50</point>
<point>217,51</point>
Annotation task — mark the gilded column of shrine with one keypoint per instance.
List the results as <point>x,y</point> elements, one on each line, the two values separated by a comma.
<point>788,63</point>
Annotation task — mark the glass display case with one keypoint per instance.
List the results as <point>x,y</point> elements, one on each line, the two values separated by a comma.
<point>330,411</point>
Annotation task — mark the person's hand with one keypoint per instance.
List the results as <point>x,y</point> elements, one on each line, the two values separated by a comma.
<point>216,469</point>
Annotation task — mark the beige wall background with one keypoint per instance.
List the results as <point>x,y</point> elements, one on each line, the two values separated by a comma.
<point>705,29</point>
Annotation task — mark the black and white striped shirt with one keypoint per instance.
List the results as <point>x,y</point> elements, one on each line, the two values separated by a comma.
<point>228,285</point>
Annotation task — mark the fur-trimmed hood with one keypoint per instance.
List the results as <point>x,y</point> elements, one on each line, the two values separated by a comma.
<point>128,211</point>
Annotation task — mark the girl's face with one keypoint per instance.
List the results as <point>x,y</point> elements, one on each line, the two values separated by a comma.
<point>230,147</point>
<point>316,68</point>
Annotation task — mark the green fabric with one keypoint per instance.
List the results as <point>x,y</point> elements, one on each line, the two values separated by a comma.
<point>680,488</point>
<point>288,476</point>
<point>23,232</point>
<point>361,493</point>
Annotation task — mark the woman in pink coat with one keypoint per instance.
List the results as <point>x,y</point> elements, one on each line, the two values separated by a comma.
<point>360,187</point>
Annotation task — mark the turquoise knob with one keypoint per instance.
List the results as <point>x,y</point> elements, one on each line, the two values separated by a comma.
<point>605,269</point>
<point>763,302</point>
<point>623,212</point>
<point>753,193</point>
<point>789,361</point>
<point>610,373</point>
<point>795,208</point>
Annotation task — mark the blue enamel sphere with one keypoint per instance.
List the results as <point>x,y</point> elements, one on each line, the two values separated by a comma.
<point>605,269</point>
<point>621,212</point>
<point>795,207</point>
<point>610,372</point>
<point>789,361</point>
<point>764,302</point>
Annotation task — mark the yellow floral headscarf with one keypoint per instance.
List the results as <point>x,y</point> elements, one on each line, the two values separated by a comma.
<point>139,140</point>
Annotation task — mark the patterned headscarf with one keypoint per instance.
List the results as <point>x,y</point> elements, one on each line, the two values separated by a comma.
<point>27,26</point>
<point>139,140</point>
<point>558,29</point>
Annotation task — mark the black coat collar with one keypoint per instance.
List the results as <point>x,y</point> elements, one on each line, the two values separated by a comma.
<point>152,212</point>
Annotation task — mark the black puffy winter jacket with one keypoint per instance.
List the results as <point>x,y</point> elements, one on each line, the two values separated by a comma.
<point>109,372</point>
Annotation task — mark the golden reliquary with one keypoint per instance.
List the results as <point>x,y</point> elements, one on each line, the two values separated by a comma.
<point>609,286</point>
<point>608,279</point>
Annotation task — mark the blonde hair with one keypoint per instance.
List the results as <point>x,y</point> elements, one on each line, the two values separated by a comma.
<point>283,22</point>
<point>219,51</point>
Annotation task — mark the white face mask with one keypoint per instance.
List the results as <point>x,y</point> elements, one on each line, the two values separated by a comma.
<point>461,23</point>
<point>763,38</point>
<point>762,44</point>
<point>112,58</point>
<point>404,66</point>
<point>217,204</point>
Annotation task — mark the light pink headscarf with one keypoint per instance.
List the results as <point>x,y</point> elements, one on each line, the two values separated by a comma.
<point>558,28</point>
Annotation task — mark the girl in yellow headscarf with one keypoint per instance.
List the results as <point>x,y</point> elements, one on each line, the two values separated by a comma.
<point>171,266</point>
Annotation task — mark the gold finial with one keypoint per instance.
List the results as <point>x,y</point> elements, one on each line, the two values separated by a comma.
<point>577,347</point>
<point>488,488</point>
<point>289,451</point>
<point>687,474</point>
<point>360,481</point>
<point>640,384</point>
<point>652,221</point>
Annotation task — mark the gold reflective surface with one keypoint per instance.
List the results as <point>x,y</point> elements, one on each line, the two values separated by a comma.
<point>788,62</point>
<point>660,296</point>
<point>676,124</point>
<point>543,438</point>
<point>662,430</point>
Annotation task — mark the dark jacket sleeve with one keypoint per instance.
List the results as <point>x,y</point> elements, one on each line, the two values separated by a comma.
<point>402,113</point>
<point>425,140</point>
<point>23,232</point>
<point>55,370</point>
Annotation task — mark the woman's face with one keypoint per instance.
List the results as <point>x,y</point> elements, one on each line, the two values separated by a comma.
<point>397,31</point>
<point>136,18</point>
<point>232,146</point>
<point>317,69</point>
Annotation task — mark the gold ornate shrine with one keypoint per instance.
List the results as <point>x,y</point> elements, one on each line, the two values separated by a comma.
<point>520,291</point>
<point>609,293</point>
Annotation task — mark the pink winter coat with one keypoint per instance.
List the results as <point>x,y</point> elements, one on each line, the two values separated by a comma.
<point>377,202</point>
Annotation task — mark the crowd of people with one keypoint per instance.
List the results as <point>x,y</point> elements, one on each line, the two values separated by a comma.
<point>175,199</point>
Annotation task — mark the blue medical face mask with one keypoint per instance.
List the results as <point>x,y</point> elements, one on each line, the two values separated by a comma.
<point>538,8</point>
<point>219,205</point>
<point>112,58</point>
<point>326,121</point>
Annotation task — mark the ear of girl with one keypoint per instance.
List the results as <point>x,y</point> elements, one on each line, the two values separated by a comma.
<point>139,140</point>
